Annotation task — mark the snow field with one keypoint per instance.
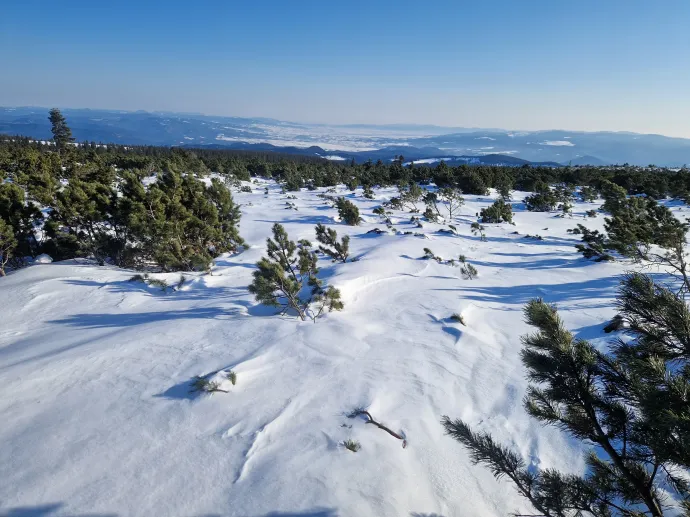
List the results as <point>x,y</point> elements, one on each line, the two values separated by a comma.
<point>98,419</point>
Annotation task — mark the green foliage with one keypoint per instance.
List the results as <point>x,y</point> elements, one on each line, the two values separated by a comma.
<point>458,317</point>
<point>629,405</point>
<point>594,244</point>
<point>410,196</point>
<point>8,243</point>
<point>504,185</point>
<point>453,200</point>
<point>368,192</point>
<point>498,212</point>
<point>148,280</point>
<point>478,229</point>
<point>614,196</point>
<point>352,445</point>
<point>62,135</point>
<point>588,194</point>
<point>232,377</point>
<point>204,385</point>
<point>430,215</point>
<point>21,217</point>
<point>468,271</point>
<point>347,211</point>
<point>637,223</point>
<point>328,237</point>
<point>541,201</point>
<point>289,270</point>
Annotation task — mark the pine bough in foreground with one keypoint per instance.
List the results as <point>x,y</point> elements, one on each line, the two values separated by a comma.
<point>630,405</point>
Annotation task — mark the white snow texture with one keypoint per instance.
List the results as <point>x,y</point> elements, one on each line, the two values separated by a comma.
<point>98,419</point>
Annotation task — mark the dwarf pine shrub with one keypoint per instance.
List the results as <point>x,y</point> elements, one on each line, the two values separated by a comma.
<point>498,212</point>
<point>328,237</point>
<point>348,211</point>
<point>287,278</point>
<point>352,445</point>
<point>468,271</point>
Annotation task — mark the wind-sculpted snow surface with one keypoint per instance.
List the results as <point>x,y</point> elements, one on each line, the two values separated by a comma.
<point>98,416</point>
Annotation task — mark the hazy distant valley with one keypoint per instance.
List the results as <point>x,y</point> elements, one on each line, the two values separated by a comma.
<point>420,143</point>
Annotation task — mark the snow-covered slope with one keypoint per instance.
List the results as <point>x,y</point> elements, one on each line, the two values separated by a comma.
<point>96,411</point>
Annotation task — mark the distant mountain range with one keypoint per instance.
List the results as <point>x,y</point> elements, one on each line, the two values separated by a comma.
<point>361,142</point>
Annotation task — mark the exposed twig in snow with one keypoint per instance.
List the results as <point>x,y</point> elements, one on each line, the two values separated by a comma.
<point>370,420</point>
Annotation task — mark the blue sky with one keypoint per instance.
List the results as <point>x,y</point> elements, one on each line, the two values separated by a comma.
<point>580,65</point>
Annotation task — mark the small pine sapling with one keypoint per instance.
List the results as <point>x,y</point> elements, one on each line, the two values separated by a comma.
<point>352,445</point>
<point>201,384</point>
<point>379,210</point>
<point>232,377</point>
<point>368,193</point>
<point>453,200</point>
<point>180,282</point>
<point>498,212</point>
<point>428,254</point>
<point>286,272</point>
<point>161,284</point>
<point>468,271</point>
<point>348,211</point>
<point>410,196</point>
<point>458,317</point>
<point>328,237</point>
<point>478,229</point>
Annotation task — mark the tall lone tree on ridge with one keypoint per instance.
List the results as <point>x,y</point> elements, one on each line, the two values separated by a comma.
<point>62,134</point>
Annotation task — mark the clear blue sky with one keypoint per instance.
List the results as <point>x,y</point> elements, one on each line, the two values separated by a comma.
<point>515,64</point>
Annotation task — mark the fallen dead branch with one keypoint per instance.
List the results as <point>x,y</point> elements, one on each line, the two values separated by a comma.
<point>370,420</point>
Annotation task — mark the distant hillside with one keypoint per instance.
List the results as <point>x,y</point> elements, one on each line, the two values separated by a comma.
<point>359,141</point>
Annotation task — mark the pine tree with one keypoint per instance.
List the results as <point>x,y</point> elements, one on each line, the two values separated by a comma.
<point>348,211</point>
<point>328,237</point>
<point>7,245</point>
<point>498,212</point>
<point>453,200</point>
<point>22,216</point>
<point>431,201</point>
<point>544,200</point>
<point>288,270</point>
<point>629,405</point>
<point>410,195</point>
<point>588,194</point>
<point>637,223</point>
<point>594,244</point>
<point>62,134</point>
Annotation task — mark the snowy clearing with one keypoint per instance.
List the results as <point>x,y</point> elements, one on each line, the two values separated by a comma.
<point>97,412</point>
